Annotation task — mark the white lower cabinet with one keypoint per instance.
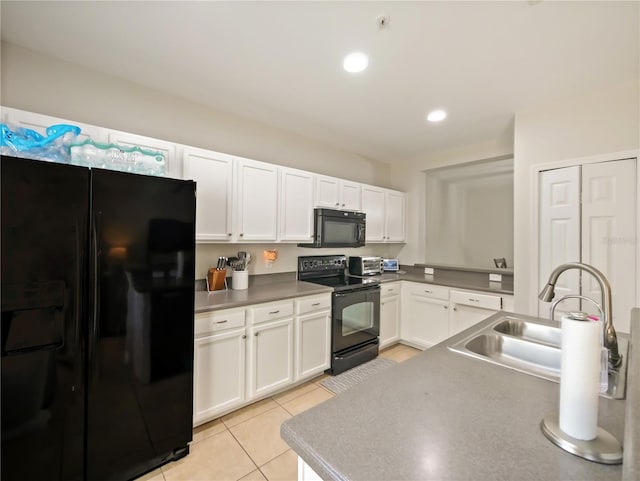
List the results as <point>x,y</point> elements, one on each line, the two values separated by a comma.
<point>469,308</point>
<point>219,363</point>
<point>312,335</point>
<point>389,314</point>
<point>433,313</point>
<point>270,356</point>
<point>425,314</point>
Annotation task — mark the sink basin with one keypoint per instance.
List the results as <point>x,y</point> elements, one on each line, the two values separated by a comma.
<point>517,353</point>
<point>530,346</point>
<point>530,331</point>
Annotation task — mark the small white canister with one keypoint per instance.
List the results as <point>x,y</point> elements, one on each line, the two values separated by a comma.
<point>239,280</point>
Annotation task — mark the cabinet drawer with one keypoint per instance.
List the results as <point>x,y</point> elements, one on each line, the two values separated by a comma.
<point>431,290</point>
<point>391,289</point>
<point>270,311</point>
<point>206,322</point>
<point>313,303</point>
<point>485,301</point>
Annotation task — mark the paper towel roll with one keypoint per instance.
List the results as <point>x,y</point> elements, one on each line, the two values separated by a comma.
<point>580,377</point>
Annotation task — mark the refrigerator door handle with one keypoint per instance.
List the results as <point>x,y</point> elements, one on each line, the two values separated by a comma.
<point>95,291</point>
<point>78,297</point>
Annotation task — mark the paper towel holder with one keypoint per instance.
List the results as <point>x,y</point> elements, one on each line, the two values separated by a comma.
<point>604,448</point>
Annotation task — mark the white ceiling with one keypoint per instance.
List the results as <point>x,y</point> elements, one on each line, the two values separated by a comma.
<point>280,62</point>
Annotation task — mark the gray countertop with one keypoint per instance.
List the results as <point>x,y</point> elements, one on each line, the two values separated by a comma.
<point>444,416</point>
<point>631,444</point>
<point>273,287</point>
<point>269,288</point>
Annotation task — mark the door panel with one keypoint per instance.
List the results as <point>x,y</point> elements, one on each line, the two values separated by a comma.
<point>140,383</point>
<point>44,244</point>
<point>559,233</point>
<point>609,234</point>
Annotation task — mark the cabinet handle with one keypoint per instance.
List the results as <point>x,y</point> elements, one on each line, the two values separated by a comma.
<point>244,336</point>
<point>315,304</point>
<point>455,308</point>
<point>342,205</point>
<point>274,312</point>
<point>337,204</point>
<point>256,334</point>
<point>241,235</point>
<point>446,307</point>
<point>221,322</point>
<point>229,234</point>
<point>474,300</point>
<point>428,292</point>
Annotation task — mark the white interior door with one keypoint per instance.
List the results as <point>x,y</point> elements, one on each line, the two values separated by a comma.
<point>559,234</point>
<point>609,233</point>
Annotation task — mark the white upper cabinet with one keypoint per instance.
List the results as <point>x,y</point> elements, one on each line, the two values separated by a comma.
<point>39,123</point>
<point>395,214</point>
<point>385,211</point>
<point>168,149</point>
<point>296,205</point>
<point>256,201</point>
<point>373,202</point>
<point>213,173</point>
<point>243,200</point>
<point>336,193</point>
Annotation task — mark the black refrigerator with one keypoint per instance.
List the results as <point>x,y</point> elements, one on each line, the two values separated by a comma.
<point>97,321</point>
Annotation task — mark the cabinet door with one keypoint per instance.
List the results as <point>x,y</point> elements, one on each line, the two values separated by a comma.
<point>168,149</point>
<point>296,205</point>
<point>463,317</point>
<point>270,357</point>
<point>212,172</point>
<point>327,192</point>
<point>350,196</point>
<point>39,123</point>
<point>395,217</point>
<point>389,320</point>
<point>426,321</point>
<point>313,344</point>
<point>219,374</point>
<point>609,234</point>
<point>373,205</point>
<point>257,206</point>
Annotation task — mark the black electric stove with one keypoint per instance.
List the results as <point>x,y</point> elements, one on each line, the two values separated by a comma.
<point>355,309</point>
<point>331,271</point>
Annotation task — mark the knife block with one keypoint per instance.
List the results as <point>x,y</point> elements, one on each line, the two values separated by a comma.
<point>215,279</point>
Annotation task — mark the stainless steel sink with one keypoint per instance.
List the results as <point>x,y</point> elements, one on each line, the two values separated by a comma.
<point>531,346</point>
<point>530,331</point>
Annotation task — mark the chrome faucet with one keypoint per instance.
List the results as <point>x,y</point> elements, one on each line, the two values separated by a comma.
<point>610,337</point>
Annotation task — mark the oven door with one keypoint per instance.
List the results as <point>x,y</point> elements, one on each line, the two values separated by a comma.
<point>355,317</point>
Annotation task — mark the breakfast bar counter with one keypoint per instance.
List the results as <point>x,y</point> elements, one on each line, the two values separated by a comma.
<point>444,416</point>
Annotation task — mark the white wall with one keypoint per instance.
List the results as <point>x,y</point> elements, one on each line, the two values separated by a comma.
<point>41,84</point>
<point>410,177</point>
<point>207,255</point>
<point>469,214</point>
<point>591,123</point>
<point>38,83</point>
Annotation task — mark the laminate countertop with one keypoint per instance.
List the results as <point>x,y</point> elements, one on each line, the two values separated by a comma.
<point>273,287</point>
<point>444,416</point>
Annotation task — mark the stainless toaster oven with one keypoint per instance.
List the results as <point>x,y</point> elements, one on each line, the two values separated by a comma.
<point>365,265</point>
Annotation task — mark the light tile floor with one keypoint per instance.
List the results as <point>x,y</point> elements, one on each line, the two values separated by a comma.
<point>246,444</point>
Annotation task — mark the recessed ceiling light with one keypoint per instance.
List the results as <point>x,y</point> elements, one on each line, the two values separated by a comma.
<point>436,115</point>
<point>355,62</point>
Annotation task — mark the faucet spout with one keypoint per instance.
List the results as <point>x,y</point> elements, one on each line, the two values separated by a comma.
<point>610,336</point>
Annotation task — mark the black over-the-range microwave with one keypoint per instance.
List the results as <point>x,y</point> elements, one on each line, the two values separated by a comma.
<point>337,228</point>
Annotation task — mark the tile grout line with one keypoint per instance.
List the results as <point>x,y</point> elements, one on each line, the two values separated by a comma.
<point>246,452</point>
